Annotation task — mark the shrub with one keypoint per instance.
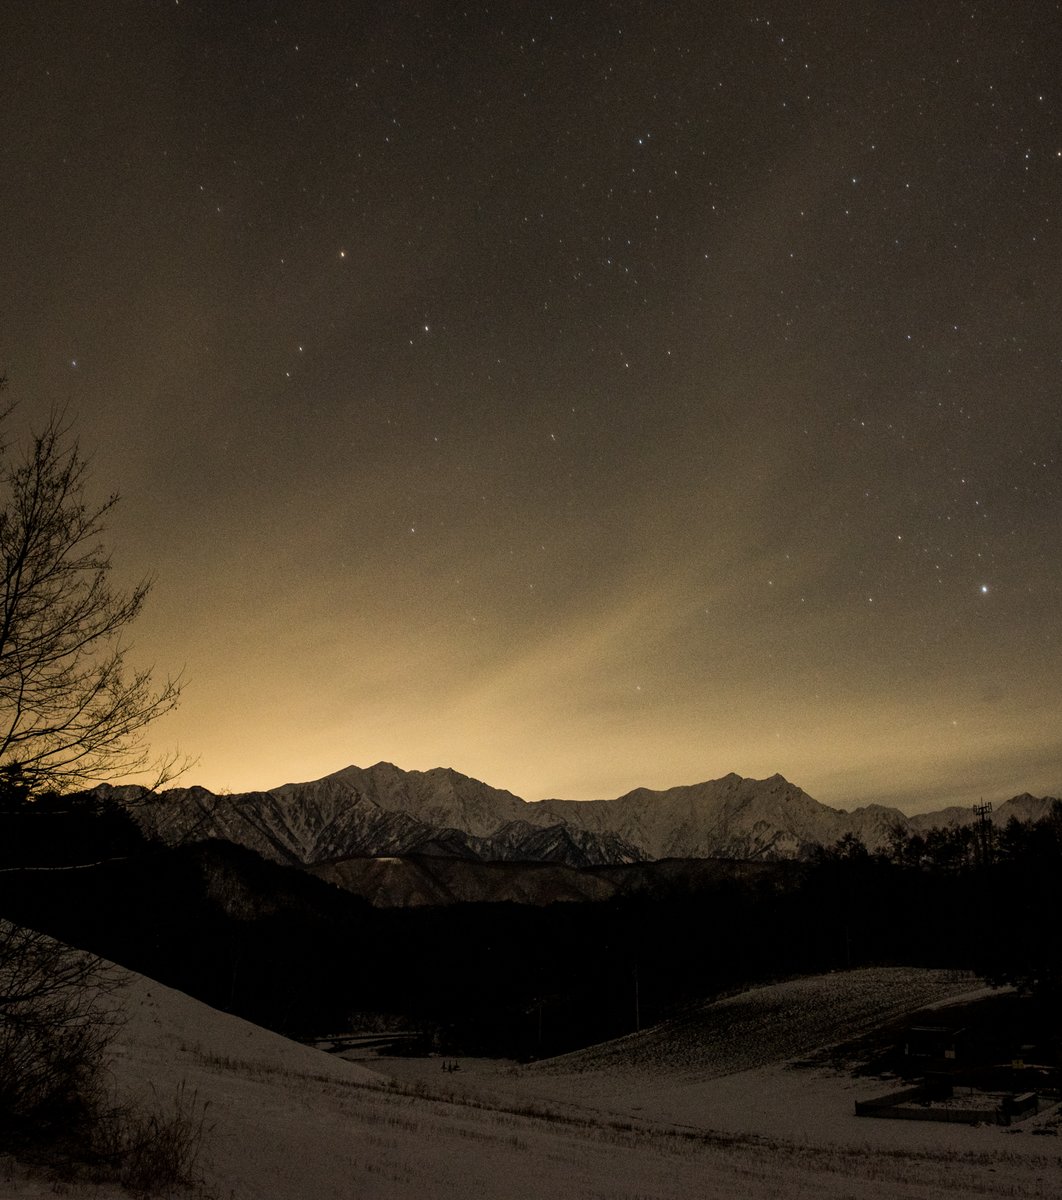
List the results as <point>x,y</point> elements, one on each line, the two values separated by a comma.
<point>152,1151</point>
<point>55,1027</point>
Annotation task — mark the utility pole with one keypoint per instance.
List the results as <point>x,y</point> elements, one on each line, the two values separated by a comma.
<point>983,812</point>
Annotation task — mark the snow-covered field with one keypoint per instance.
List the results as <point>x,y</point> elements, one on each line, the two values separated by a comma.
<point>704,1107</point>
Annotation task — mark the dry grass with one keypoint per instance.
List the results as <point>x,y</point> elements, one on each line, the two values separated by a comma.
<point>150,1151</point>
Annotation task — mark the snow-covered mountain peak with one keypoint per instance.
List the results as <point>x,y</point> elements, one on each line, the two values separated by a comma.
<point>384,810</point>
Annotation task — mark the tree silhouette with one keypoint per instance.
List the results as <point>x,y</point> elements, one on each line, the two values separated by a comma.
<point>71,712</point>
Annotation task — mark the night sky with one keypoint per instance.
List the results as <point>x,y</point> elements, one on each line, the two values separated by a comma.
<point>586,397</point>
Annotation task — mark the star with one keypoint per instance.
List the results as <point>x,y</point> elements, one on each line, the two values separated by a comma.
<point>782,398</point>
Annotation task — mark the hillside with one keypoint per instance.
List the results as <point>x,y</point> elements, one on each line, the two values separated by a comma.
<point>763,1025</point>
<point>418,880</point>
<point>288,1122</point>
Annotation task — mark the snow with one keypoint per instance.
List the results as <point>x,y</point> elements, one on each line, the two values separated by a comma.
<point>647,1117</point>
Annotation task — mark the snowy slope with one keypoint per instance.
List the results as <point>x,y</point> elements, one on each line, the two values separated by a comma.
<point>382,810</point>
<point>288,1122</point>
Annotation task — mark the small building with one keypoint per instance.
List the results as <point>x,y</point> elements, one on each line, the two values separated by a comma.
<point>924,1044</point>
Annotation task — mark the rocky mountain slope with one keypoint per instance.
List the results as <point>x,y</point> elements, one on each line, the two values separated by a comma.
<point>730,817</point>
<point>376,811</point>
<point>384,811</point>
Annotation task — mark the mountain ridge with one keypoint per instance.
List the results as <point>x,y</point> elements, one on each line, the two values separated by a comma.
<point>383,810</point>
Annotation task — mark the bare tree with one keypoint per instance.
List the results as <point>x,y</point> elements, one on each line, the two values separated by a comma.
<point>71,713</point>
<point>71,710</point>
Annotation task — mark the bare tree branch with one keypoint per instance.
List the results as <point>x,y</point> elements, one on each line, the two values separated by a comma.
<point>71,712</point>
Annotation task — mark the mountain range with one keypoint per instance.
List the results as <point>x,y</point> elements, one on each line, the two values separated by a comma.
<point>383,811</point>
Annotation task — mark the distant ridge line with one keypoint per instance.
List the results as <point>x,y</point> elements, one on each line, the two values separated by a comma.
<point>382,811</point>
